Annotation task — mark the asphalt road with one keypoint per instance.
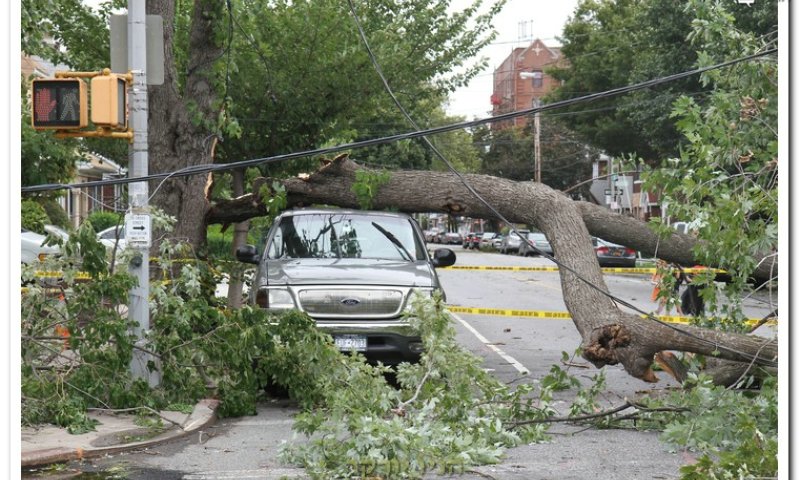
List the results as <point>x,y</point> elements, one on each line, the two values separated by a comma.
<point>513,348</point>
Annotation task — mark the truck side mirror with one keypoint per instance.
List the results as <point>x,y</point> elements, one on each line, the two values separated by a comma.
<point>443,257</point>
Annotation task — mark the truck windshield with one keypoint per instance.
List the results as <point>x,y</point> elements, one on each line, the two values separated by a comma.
<point>351,235</point>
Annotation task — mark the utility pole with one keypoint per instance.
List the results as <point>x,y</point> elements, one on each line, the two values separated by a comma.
<point>537,158</point>
<point>138,192</point>
<point>537,153</point>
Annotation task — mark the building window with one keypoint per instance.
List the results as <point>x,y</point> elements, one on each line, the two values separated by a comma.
<point>538,79</point>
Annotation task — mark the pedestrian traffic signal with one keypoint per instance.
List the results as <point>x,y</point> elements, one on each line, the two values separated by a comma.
<point>59,104</point>
<point>109,101</point>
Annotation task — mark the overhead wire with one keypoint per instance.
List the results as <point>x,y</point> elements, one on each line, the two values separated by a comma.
<point>501,217</point>
<point>402,136</point>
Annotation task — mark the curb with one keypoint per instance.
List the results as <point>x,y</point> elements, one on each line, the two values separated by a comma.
<point>203,414</point>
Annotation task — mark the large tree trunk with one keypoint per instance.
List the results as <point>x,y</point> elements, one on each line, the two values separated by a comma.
<point>179,134</point>
<point>610,336</point>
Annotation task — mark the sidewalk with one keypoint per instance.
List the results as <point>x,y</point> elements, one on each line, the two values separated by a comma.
<point>115,433</point>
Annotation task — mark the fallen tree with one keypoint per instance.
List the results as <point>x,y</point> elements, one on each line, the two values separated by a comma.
<point>610,336</point>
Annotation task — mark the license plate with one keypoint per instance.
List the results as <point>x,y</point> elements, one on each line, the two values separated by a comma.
<point>618,253</point>
<point>347,343</point>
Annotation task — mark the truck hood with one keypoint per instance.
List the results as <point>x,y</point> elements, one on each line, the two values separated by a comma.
<point>347,271</point>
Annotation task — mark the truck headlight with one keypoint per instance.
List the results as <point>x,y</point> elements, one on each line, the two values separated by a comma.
<point>416,295</point>
<point>275,299</point>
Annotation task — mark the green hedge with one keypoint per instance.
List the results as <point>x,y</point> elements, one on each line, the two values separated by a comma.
<point>102,220</point>
<point>34,217</point>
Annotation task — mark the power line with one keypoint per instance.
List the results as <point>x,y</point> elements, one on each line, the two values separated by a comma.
<point>207,168</point>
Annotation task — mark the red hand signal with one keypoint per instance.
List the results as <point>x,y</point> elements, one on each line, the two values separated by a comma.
<point>43,105</point>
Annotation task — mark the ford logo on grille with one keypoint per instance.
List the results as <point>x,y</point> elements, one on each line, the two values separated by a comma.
<point>351,302</point>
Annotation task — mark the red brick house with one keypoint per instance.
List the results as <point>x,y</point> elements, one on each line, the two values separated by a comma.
<point>520,81</point>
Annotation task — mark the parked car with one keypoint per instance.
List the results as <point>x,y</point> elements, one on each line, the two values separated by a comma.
<point>486,239</point>
<point>430,235</point>
<point>539,241</point>
<point>511,242</point>
<point>497,240</point>
<point>33,248</point>
<point>475,240</point>
<point>354,272</point>
<point>452,238</point>
<point>437,236</point>
<point>113,236</point>
<point>613,255</point>
<point>467,243</point>
<point>57,232</point>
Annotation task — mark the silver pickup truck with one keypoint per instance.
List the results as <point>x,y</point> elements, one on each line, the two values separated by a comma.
<point>354,272</point>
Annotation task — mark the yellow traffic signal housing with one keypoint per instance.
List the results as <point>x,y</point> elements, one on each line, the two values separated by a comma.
<point>109,101</point>
<point>59,104</point>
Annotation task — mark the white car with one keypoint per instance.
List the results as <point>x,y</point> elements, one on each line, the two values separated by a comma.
<point>33,248</point>
<point>113,236</point>
<point>57,232</point>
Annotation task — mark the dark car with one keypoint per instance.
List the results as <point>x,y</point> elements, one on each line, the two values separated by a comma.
<point>475,241</point>
<point>470,240</point>
<point>539,240</point>
<point>353,272</point>
<point>613,255</point>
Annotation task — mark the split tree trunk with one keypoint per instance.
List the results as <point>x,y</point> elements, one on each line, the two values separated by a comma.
<point>610,335</point>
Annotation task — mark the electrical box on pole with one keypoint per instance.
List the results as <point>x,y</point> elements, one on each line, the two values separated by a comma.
<point>109,101</point>
<point>59,104</point>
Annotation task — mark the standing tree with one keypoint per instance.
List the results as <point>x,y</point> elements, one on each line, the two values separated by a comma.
<point>283,83</point>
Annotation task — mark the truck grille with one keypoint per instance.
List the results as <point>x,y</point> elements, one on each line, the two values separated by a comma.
<point>351,303</point>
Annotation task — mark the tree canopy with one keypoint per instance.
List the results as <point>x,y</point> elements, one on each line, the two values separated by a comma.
<point>612,44</point>
<point>509,153</point>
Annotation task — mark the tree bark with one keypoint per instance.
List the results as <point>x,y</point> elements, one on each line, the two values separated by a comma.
<point>610,336</point>
<point>180,135</point>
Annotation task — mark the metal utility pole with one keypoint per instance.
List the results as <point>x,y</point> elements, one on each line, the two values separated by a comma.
<point>138,192</point>
<point>537,153</point>
<point>537,158</point>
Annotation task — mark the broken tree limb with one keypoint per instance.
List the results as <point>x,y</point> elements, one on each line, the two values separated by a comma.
<point>443,193</point>
<point>610,336</point>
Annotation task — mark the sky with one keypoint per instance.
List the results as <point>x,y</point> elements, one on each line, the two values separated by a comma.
<point>519,23</point>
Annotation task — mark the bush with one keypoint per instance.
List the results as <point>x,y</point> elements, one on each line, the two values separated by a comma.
<point>102,220</point>
<point>34,217</point>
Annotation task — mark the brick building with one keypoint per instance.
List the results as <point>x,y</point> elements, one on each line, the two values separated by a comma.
<point>512,92</point>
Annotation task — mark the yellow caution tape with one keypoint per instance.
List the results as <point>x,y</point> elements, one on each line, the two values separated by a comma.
<point>508,313</point>
<point>503,312</point>
<point>510,269</point>
<point>46,274</point>
<point>648,270</point>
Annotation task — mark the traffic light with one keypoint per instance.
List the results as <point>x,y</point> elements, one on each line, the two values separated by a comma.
<point>59,104</point>
<point>109,101</point>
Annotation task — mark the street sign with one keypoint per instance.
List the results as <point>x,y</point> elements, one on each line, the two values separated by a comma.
<point>154,26</point>
<point>137,230</point>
